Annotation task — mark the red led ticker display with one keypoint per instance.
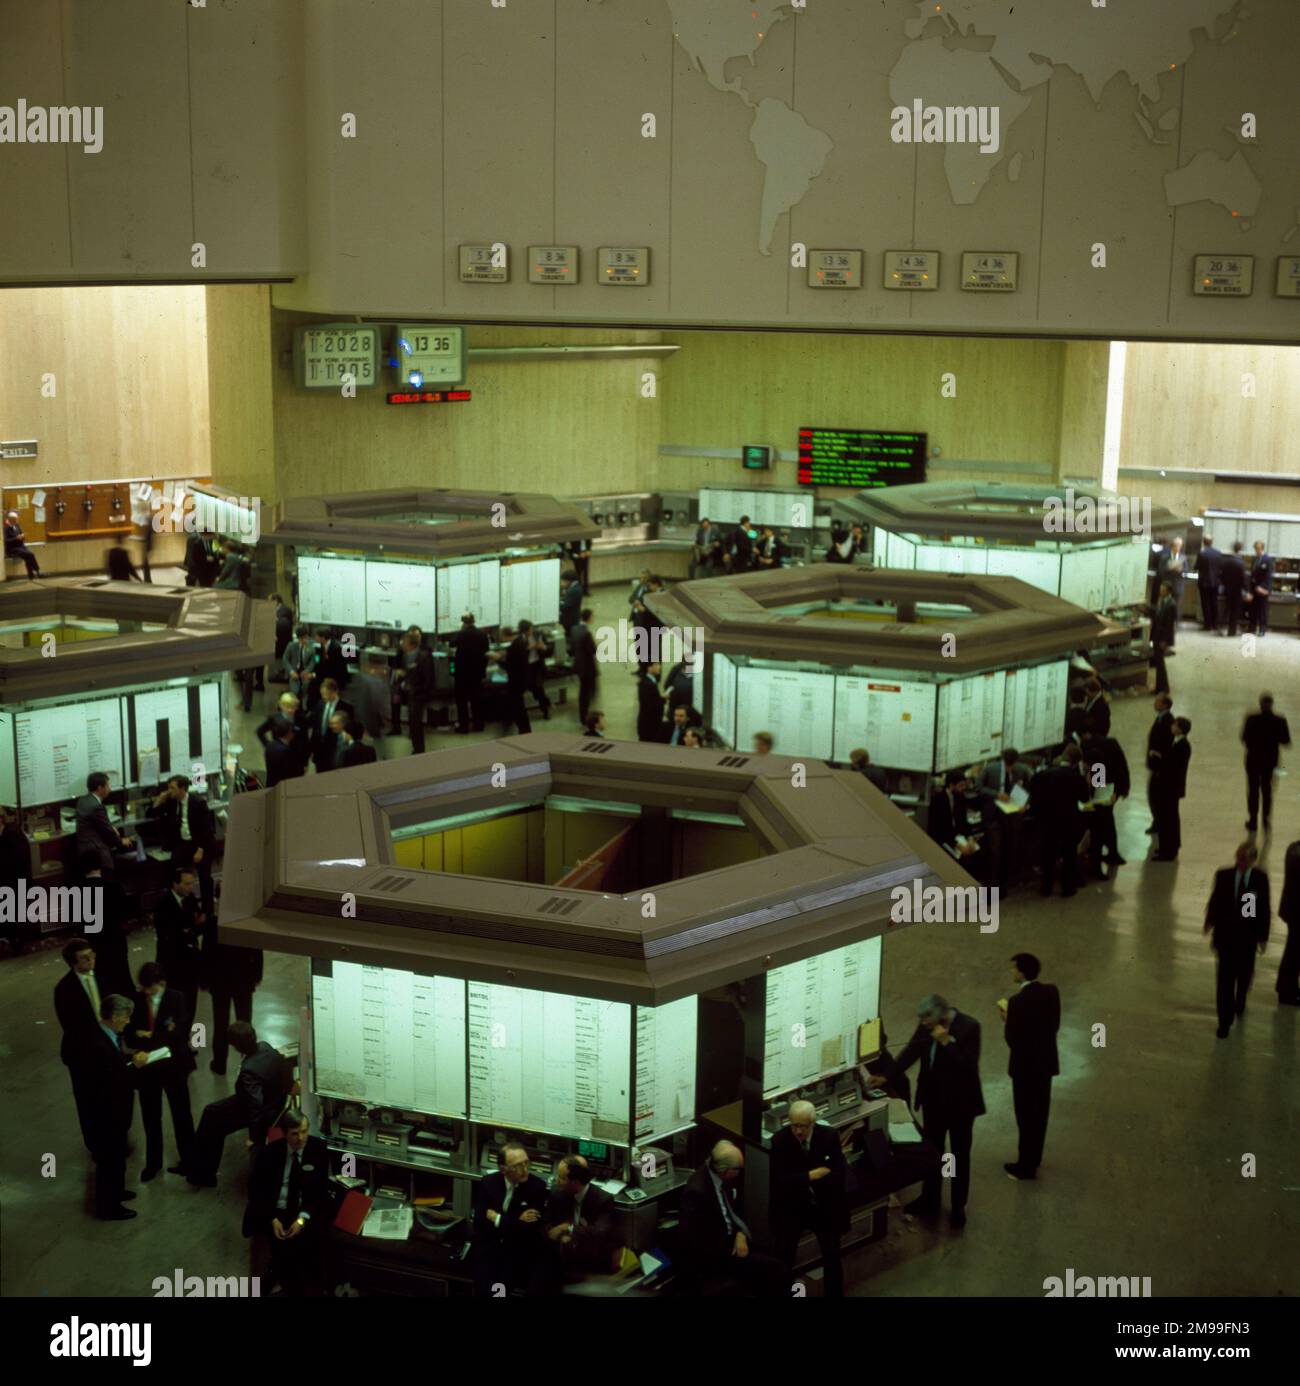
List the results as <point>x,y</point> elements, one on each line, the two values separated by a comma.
<point>429,397</point>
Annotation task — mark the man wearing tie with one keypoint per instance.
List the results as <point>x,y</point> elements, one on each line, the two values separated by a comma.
<point>1207,583</point>
<point>578,1220</point>
<point>948,1093</point>
<point>680,724</point>
<point>808,1177</point>
<point>325,740</point>
<point>714,1239</point>
<point>178,925</point>
<point>107,1066</point>
<point>189,833</point>
<point>1031,1016</point>
<point>94,832</point>
<point>159,1021</point>
<point>1237,918</point>
<point>509,1239</point>
<point>1261,588</point>
<point>76,1003</point>
<point>288,1204</point>
<point>1169,788</point>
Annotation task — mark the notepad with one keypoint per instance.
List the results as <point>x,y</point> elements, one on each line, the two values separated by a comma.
<point>156,1054</point>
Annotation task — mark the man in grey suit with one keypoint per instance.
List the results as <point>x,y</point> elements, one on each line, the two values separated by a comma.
<point>94,832</point>
<point>371,697</point>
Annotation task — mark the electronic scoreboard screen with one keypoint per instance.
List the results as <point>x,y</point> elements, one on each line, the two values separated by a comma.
<point>860,457</point>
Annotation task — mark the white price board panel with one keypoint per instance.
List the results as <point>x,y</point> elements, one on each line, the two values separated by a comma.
<point>400,595</point>
<point>8,762</point>
<point>723,713</point>
<point>1041,570</point>
<point>332,591</point>
<point>900,552</point>
<point>552,1063</point>
<point>472,587</point>
<point>162,723</point>
<point>880,547</point>
<point>530,591</point>
<point>951,558</point>
<point>389,1038</point>
<point>666,1041</point>
<point>1083,577</point>
<point>812,1013</point>
<point>1126,574</point>
<point>797,708</point>
<point>969,722</point>
<point>59,746</point>
<point>893,721</point>
<point>1034,706</point>
<point>210,722</point>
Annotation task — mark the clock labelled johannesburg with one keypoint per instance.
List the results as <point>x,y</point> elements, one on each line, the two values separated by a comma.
<point>860,457</point>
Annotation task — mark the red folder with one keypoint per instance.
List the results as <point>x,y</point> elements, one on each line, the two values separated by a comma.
<point>352,1212</point>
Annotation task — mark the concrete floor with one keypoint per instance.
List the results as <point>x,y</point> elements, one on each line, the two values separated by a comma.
<point>1143,1170</point>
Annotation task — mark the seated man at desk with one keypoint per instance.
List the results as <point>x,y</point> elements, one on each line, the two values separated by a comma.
<point>808,1191</point>
<point>579,1220</point>
<point>288,1203</point>
<point>947,817</point>
<point>509,1236</point>
<point>714,1239</point>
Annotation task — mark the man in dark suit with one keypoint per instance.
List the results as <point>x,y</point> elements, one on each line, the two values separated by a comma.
<point>1055,794</point>
<point>324,727</point>
<point>649,705</point>
<point>1237,918</point>
<point>1031,1018</point>
<point>76,1004</point>
<point>232,974</point>
<point>16,545</point>
<point>289,1204</point>
<point>714,1241</point>
<point>1264,734</point>
<point>265,1078</point>
<point>808,1178</point>
<point>94,832</point>
<point>353,749</point>
<point>1288,970</point>
<point>283,632</point>
<point>704,550</point>
<point>301,661</point>
<point>1076,714</point>
<point>179,924</point>
<point>1164,625</point>
<point>289,707</point>
<point>199,565</point>
<point>579,1221</point>
<point>509,1237</point>
<point>947,819</point>
<point>112,965</point>
<point>516,661</point>
<point>1000,777</point>
<point>1207,583</point>
<point>107,1067</point>
<point>1106,766</point>
<point>741,546</point>
<point>283,760</point>
<point>1096,708</point>
<point>1159,739</point>
<point>1002,835</point>
<point>570,604</point>
<point>948,1093</point>
<point>469,663</point>
<point>371,695</point>
<point>1232,578</point>
<point>583,649</point>
<point>331,662</point>
<point>189,831</point>
<point>1170,788</point>
<point>160,1020</point>
<point>1261,588</point>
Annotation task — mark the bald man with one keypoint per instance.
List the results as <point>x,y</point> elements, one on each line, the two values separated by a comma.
<point>714,1238</point>
<point>808,1178</point>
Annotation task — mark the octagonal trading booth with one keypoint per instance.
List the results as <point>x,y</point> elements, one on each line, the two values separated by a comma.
<point>1007,529</point>
<point>373,563</point>
<point>927,671</point>
<point>623,950</point>
<point>121,677</point>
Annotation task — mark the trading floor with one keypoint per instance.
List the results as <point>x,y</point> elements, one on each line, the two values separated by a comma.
<point>1148,1128</point>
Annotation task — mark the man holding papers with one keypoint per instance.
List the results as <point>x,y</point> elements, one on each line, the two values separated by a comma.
<point>1106,768</point>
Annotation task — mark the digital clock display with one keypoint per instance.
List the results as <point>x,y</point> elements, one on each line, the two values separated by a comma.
<point>429,354</point>
<point>329,355</point>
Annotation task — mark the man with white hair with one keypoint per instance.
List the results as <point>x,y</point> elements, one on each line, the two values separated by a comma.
<point>714,1236</point>
<point>948,1093</point>
<point>808,1176</point>
<point>16,545</point>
